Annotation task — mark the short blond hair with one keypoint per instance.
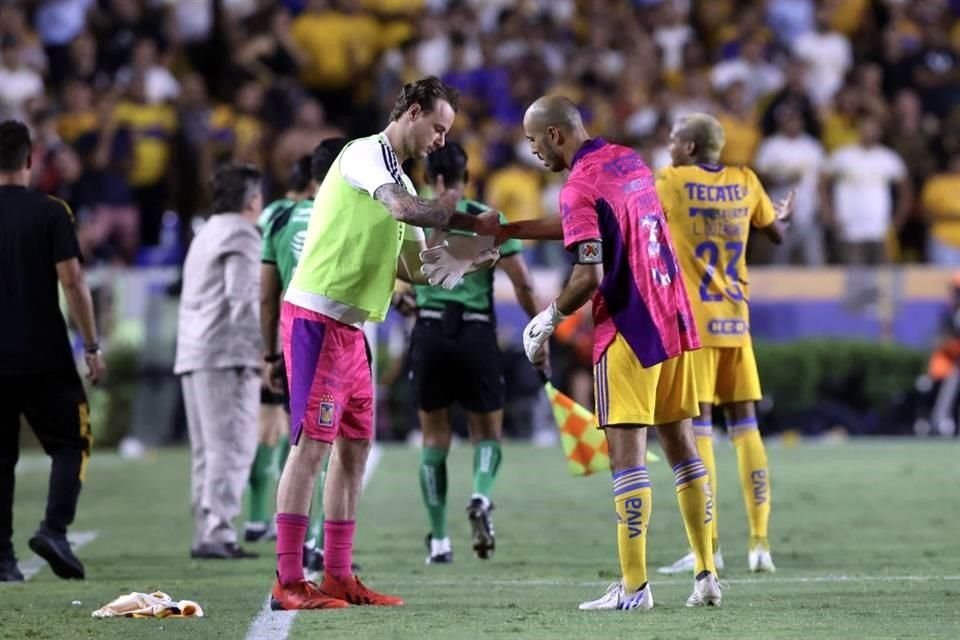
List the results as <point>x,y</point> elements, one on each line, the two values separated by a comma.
<point>705,132</point>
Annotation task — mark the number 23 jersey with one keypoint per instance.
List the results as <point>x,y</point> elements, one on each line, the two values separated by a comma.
<point>710,209</point>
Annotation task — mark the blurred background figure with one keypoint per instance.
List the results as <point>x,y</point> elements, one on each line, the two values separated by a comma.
<point>219,356</point>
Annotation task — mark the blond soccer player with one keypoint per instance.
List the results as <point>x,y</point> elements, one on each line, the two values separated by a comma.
<point>710,209</point>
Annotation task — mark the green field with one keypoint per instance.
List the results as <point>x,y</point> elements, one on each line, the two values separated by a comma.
<point>865,536</point>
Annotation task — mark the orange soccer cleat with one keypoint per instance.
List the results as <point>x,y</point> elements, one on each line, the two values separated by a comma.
<point>354,592</point>
<point>302,595</point>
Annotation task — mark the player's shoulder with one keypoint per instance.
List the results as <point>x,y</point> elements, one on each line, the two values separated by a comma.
<point>373,144</point>
<point>668,173</point>
<point>57,206</point>
<point>577,187</point>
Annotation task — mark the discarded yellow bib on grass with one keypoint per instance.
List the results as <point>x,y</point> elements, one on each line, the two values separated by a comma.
<point>149,605</point>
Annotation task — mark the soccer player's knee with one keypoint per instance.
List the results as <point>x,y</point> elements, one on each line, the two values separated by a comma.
<point>310,454</point>
<point>737,411</point>
<point>351,454</point>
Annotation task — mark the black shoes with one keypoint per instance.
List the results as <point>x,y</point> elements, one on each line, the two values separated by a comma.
<point>55,549</point>
<point>9,571</point>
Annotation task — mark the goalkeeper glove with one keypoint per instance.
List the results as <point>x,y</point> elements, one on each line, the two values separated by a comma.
<point>539,330</point>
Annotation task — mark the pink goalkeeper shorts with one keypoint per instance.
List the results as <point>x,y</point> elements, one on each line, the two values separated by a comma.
<point>331,389</point>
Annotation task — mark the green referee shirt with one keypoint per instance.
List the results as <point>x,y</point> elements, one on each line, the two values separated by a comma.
<point>284,231</point>
<point>475,292</point>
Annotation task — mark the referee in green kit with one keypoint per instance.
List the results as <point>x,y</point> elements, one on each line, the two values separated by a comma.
<point>455,358</point>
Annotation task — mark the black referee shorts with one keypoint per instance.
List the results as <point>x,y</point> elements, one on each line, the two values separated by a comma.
<point>464,368</point>
<point>54,404</point>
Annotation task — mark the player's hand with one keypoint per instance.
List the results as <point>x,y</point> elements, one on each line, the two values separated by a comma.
<point>538,332</point>
<point>785,207</point>
<point>96,367</point>
<point>272,376</point>
<point>404,302</point>
<point>488,224</point>
<point>542,359</point>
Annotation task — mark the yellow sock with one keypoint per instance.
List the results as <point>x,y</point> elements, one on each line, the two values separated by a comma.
<point>696,507</point>
<point>634,503</point>
<point>704,434</point>
<point>754,478</point>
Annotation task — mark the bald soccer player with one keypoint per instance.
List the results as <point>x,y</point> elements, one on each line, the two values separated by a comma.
<point>612,223</point>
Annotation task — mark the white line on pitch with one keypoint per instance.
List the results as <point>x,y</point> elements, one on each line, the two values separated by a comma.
<point>32,565</point>
<point>426,581</point>
<point>276,625</point>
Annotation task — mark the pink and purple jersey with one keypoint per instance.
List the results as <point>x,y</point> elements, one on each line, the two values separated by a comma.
<point>611,196</point>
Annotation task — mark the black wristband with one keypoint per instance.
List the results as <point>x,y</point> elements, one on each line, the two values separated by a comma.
<point>91,348</point>
<point>273,357</point>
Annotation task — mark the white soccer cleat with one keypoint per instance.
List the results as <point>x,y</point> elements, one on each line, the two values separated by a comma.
<point>760,560</point>
<point>688,563</point>
<point>616,598</point>
<point>706,592</point>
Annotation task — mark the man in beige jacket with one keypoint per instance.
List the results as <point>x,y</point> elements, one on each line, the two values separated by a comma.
<point>219,355</point>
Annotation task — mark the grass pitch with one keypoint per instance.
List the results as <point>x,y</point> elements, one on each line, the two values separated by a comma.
<point>865,538</point>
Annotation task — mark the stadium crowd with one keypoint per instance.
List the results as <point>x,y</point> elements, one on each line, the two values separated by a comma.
<point>854,102</point>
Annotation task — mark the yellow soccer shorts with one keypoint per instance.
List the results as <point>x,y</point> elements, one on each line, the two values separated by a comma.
<point>626,392</point>
<point>726,374</point>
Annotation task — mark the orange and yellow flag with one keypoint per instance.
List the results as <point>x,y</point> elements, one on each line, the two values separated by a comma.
<point>584,446</point>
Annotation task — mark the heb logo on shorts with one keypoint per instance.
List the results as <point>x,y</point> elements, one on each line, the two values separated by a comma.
<point>728,327</point>
<point>326,414</point>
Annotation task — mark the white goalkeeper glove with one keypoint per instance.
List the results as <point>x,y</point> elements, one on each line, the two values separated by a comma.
<point>539,330</point>
<point>455,255</point>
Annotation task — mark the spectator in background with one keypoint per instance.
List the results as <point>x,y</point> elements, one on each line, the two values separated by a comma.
<point>514,189</point>
<point>940,202</point>
<point>856,196</point>
<point>119,29</point>
<point>829,55</point>
<point>738,116</point>
<point>760,78</point>
<point>272,57</point>
<point>159,83</point>
<point>59,23</point>
<point>790,19</point>
<point>19,84</point>
<point>13,23</point>
<point>914,137</point>
<point>840,120</point>
<point>219,355</point>
<point>108,219</point>
<point>792,160</point>
<point>935,71</point>
<point>83,62</point>
<point>236,132</point>
<point>340,46</point>
<point>151,128</point>
<point>794,94</point>
<point>309,129</point>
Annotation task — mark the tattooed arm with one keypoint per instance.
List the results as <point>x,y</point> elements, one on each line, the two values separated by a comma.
<point>420,212</point>
<point>412,209</point>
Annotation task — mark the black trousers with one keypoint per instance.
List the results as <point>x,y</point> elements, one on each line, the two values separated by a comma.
<point>55,406</point>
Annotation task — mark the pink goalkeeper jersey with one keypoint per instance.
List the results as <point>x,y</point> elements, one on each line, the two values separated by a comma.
<point>611,196</point>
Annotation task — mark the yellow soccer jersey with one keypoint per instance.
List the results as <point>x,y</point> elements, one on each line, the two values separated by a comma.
<point>710,209</point>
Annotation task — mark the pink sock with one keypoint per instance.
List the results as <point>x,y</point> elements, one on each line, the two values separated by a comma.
<point>291,532</point>
<point>338,547</point>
